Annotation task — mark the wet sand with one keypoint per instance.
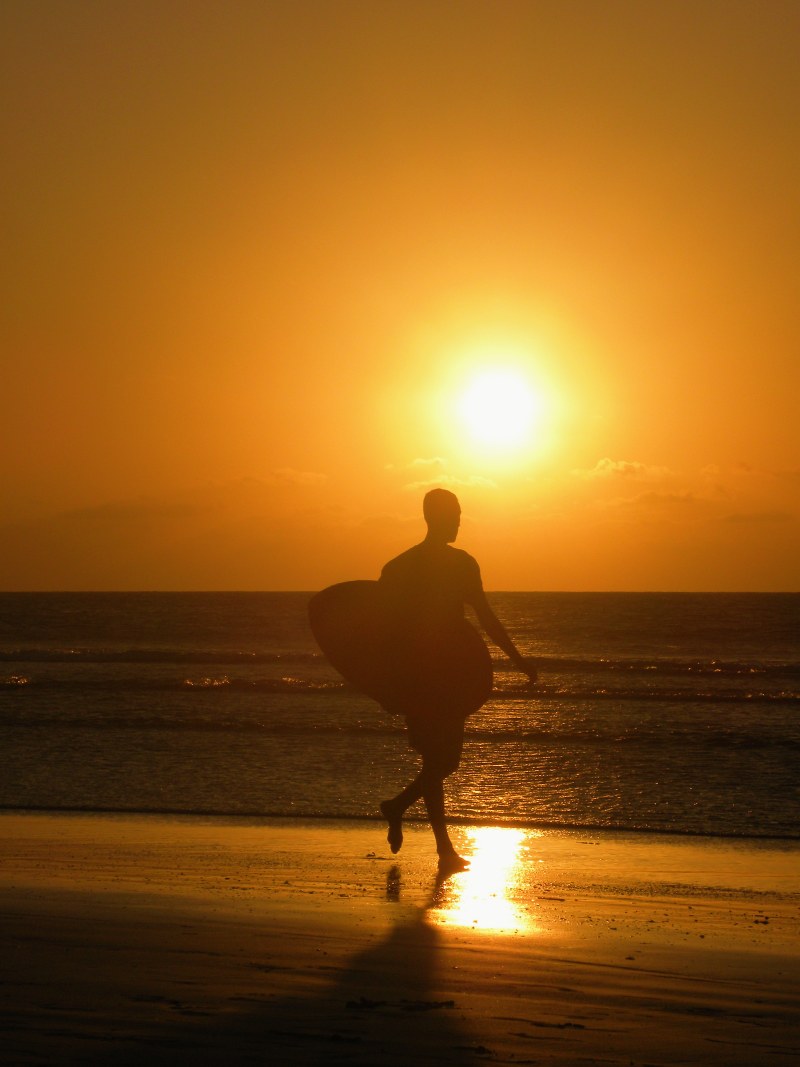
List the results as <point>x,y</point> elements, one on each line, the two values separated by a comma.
<point>153,940</point>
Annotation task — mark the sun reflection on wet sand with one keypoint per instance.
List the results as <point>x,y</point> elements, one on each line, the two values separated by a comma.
<point>485,897</point>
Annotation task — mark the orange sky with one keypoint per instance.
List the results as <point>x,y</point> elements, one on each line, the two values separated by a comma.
<point>254,252</point>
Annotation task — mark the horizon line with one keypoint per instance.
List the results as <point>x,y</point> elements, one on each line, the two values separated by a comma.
<point>311,591</point>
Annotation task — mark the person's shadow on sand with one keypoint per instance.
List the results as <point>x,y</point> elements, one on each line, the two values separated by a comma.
<point>392,997</point>
<point>386,1006</point>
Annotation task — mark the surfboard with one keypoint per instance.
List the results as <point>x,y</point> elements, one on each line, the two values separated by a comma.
<point>411,670</point>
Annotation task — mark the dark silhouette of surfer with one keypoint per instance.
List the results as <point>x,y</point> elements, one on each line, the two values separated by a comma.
<point>426,589</point>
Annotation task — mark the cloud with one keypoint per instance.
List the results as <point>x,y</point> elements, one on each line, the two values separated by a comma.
<point>290,476</point>
<point>144,509</point>
<point>432,463</point>
<point>431,473</point>
<point>421,463</point>
<point>451,481</point>
<point>654,499</point>
<point>748,473</point>
<point>622,468</point>
<point>754,490</point>
<point>249,532</point>
<point>759,517</point>
<point>668,499</point>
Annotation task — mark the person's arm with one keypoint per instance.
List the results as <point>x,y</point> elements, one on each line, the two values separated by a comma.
<point>498,633</point>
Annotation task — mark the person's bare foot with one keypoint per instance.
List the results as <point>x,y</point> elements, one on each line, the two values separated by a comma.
<point>395,821</point>
<point>451,863</point>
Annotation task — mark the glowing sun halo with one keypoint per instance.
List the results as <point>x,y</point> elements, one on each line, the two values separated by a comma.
<point>499,409</point>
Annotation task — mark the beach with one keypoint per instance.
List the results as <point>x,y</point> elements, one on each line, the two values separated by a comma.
<point>191,870</point>
<point>152,939</point>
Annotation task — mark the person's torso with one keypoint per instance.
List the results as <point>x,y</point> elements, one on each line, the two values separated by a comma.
<point>429,584</point>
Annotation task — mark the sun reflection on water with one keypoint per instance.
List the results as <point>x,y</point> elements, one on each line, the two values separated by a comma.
<point>485,897</point>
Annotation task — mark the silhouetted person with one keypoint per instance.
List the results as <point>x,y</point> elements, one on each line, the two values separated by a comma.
<point>428,586</point>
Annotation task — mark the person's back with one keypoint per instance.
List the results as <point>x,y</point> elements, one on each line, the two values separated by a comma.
<point>429,584</point>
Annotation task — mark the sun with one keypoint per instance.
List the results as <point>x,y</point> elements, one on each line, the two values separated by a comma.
<point>499,410</point>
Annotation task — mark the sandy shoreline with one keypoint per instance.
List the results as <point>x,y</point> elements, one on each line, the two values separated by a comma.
<point>185,940</point>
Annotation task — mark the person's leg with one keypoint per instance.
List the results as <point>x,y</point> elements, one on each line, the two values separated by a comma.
<point>433,794</point>
<point>440,743</point>
<point>393,810</point>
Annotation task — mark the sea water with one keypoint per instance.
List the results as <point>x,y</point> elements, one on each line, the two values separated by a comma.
<point>667,712</point>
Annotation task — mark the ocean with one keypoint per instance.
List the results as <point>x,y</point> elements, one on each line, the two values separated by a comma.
<point>664,712</point>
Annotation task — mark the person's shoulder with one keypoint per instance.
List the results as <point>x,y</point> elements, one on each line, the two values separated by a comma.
<point>467,569</point>
<point>401,561</point>
<point>463,559</point>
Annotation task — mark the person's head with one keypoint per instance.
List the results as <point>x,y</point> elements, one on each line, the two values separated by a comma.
<point>442,514</point>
